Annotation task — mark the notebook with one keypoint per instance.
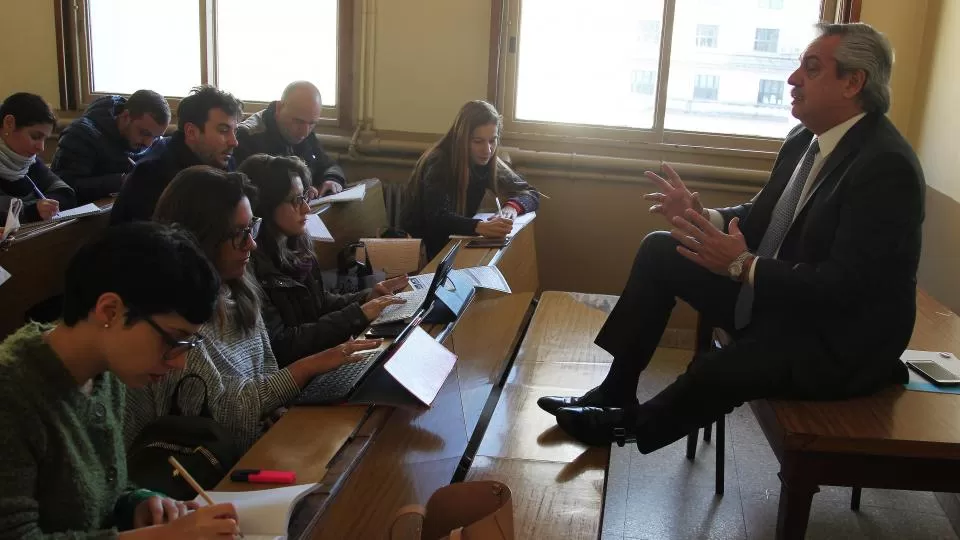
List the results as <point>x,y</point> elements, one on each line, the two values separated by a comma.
<point>317,229</point>
<point>88,209</point>
<point>264,514</point>
<point>356,193</point>
<point>518,223</point>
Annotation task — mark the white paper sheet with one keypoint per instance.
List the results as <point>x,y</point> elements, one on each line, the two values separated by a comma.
<point>356,193</point>
<point>421,364</point>
<point>317,229</point>
<point>518,223</point>
<point>263,514</point>
<point>88,209</point>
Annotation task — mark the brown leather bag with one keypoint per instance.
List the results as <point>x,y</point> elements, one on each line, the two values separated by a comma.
<point>463,511</point>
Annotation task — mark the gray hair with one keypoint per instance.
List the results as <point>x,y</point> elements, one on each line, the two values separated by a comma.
<point>864,48</point>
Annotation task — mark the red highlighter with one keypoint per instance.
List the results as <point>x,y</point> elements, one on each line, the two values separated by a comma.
<point>260,476</point>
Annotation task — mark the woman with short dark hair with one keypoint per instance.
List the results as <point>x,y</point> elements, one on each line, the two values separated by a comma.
<point>26,122</point>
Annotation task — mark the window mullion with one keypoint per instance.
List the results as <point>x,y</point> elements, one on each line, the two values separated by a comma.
<point>208,42</point>
<point>663,77</point>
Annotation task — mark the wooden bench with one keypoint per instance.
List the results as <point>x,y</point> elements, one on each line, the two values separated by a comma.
<point>895,439</point>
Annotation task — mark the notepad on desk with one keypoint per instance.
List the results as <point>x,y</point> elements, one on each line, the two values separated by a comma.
<point>356,193</point>
<point>317,229</point>
<point>519,223</point>
<point>264,514</point>
<point>88,209</point>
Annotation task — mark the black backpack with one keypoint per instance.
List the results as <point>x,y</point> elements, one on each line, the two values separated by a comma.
<point>204,448</point>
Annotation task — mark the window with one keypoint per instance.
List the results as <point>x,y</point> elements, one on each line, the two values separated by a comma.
<point>644,82</point>
<point>766,40</point>
<point>243,46</point>
<point>770,93</point>
<point>554,87</point>
<point>707,36</point>
<point>649,33</point>
<point>771,4</point>
<point>706,87</point>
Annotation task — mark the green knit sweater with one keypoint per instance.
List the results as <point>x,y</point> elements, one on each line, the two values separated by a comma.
<point>63,470</point>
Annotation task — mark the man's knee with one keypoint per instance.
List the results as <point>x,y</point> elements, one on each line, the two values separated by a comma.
<point>656,246</point>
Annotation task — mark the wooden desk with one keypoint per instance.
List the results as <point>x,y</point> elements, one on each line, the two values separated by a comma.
<point>37,262</point>
<point>396,457</point>
<point>351,221</point>
<point>895,439</point>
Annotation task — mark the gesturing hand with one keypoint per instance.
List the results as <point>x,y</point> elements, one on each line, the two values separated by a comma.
<point>706,245</point>
<point>674,198</point>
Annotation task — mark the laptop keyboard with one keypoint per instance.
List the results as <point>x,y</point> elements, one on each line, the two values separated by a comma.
<point>399,312</point>
<point>335,386</point>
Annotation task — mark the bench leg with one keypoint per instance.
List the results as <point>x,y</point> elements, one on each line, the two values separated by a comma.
<point>692,444</point>
<point>796,495</point>
<point>720,454</point>
<point>855,500</point>
<point>706,432</point>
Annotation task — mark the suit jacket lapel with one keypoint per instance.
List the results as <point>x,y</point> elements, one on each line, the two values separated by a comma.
<point>762,209</point>
<point>852,140</point>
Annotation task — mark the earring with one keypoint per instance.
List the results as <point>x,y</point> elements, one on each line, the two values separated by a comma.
<point>106,325</point>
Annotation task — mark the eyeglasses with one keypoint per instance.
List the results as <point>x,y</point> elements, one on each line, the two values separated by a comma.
<point>177,346</point>
<point>241,237</point>
<point>297,200</point>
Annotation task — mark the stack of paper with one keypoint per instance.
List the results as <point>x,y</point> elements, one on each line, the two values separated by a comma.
<point>356,193</point>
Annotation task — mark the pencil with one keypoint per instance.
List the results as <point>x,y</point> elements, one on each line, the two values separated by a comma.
<point>193,483</point>
<point>189,479</point>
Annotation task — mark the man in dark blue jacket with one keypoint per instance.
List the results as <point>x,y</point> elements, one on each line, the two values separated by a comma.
<point>285,128</point>
<point>206,135</point>
<point>98,149</point>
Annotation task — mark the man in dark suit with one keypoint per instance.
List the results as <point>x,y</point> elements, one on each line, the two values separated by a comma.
<point>815,278</point>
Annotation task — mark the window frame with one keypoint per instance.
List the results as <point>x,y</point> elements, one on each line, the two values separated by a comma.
<point>763,91</point>
<point>713,89</point>
<point>757,41</point>
<point>502,92</point>
<point>713,39</point>
<point>76,76</point>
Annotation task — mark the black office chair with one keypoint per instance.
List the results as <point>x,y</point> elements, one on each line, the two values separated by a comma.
<point>708,338</point>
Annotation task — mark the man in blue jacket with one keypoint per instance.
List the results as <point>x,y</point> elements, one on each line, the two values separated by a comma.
<point>98,149</point>
<point>206,135</point>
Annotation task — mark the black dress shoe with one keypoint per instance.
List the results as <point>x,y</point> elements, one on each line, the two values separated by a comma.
<point>596,426</point>
<point>593,398</point>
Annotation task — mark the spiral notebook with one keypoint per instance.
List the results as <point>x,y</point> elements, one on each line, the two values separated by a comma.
<point>264,514</point>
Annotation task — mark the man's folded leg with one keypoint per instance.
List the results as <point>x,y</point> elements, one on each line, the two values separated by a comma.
<point>636,324</point>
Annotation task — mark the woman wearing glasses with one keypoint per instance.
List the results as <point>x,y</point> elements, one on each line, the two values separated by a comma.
<point>62,390</point>
<point>301,317</point>
<point>243,382</point>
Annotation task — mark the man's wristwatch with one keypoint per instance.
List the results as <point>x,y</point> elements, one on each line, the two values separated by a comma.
<point>736,267</point>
